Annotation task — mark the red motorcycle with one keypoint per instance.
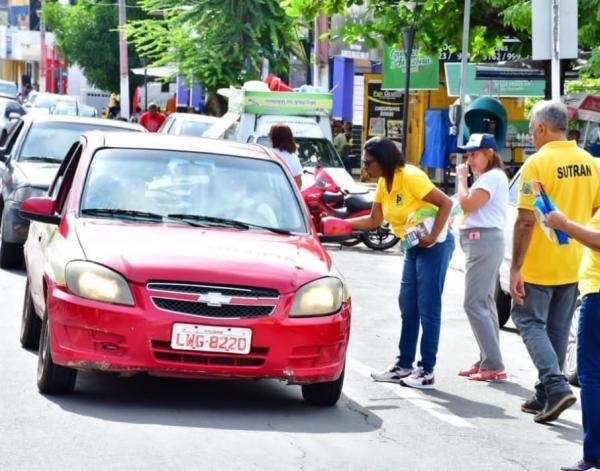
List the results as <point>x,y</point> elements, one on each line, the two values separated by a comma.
<point>324,198</point>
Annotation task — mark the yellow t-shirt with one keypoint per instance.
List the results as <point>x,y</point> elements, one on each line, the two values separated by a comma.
<point>589,275</point>
<point>572,180</point>
<point>409,187</point>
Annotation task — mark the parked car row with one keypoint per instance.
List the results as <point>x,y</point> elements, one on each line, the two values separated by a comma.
<point>167,255</point>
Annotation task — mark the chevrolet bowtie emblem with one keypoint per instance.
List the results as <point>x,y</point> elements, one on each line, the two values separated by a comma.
<point>214,299</point>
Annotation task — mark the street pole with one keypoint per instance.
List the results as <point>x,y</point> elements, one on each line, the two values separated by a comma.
<point>42,80</point>
<point>463,84</point>
<point>123,62</point>
<point>555,33</point>
<point>409,37</point>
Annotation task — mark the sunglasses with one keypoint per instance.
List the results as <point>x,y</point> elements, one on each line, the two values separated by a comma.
<point>366,162</point>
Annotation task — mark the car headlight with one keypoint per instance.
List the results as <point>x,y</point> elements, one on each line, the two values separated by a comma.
<point>319,298</point>
<point>21,194</point>
<point>92,281</point>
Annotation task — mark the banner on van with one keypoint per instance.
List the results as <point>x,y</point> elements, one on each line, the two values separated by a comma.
<point>288,103</point>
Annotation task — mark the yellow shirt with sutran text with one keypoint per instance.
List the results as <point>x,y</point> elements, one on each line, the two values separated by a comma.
<point>571,179</point>
<point>409,187</point>
<point>589,275</point>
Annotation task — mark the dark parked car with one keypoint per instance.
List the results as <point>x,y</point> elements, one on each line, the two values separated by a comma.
<point>29,161</point>
<point>9,111</point>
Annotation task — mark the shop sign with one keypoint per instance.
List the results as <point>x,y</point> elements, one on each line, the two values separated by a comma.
<point>490,87</point>
<point>424,70</point>
<point>382,111</point>
<point>288,103</point>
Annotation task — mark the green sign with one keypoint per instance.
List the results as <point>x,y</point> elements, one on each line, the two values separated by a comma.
<point>491,87</point>
<point>288,103</point>
<point>424,70</point>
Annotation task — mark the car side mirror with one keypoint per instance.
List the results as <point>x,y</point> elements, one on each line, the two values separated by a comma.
<point>335,230</point>
<point>13,116</point>
<point>41,209</point>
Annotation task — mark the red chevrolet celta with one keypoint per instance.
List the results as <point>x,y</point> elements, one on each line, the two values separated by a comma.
<point>181,257</point>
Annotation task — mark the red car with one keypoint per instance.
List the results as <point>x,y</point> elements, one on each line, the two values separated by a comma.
<point>181,257</point>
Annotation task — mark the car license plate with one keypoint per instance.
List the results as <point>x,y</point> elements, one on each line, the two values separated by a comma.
<point>205,338</point>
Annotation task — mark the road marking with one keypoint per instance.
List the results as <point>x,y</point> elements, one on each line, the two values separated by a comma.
<point>414,396</point>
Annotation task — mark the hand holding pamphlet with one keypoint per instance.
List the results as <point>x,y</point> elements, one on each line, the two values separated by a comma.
<point>542,206</point>
<point>420,223</point>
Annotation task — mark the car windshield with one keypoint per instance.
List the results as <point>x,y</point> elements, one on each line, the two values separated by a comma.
<point>191,188</point>
<point>8,89</point>
<point>43,100</point>
<point>194,128</point>
<point>312,150</point>
<point>52,140</point>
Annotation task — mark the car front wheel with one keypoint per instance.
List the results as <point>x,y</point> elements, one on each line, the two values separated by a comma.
<point>31,325</point>
<point>503,304</point>
<point>11,254</point>
<point>570,368</point>
<point>323,394</point>
<point>52,378</point>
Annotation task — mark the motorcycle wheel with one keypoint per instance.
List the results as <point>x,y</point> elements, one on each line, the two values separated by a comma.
<point>351,242</point>
<point>381,238</point>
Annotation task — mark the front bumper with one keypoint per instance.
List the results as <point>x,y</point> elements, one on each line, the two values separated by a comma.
<point>14,227</point>
<point>90,335</point>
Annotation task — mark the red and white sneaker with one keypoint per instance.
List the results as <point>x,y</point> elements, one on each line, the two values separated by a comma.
<point>419,379</point>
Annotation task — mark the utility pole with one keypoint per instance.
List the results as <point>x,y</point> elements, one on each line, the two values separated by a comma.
<point>123,62</point>
<point>321,71</point>
<point>42,80</point>
<point>555,34</point>
<point>463,84</point>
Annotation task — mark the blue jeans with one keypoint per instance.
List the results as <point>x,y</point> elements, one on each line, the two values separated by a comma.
<point>588,373</point>
<point>421,302</point>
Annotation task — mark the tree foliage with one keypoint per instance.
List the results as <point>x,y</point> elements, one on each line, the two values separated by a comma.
<point>440,21</point>
<point>87,35</point>
<point>213,42</point>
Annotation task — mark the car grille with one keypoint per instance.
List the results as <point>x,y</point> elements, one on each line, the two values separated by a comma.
<point>201,309</point>
<point>163,352</point>
<point>238,292</point>
<point>222,302</point>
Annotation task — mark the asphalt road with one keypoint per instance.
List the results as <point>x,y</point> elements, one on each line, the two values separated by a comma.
<point>143,423</point>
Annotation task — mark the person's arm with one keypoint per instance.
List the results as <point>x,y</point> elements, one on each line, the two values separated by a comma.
<point>583,235</point>
<point>444,205</point>
<point>366,223</point>
<point>298,180</point>
<point>521,239</point>
<point>469,200</point>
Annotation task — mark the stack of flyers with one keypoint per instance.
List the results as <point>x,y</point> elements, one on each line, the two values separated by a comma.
<point>420,223</point>
<point>542,206</point>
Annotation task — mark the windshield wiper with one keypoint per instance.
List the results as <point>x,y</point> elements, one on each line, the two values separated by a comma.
<point>122,213</point>
<point>42,158</point>
<point>210,220</point>
<point>226,222</point>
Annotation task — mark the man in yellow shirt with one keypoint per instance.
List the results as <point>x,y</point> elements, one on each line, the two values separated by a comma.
<point>543,277</point>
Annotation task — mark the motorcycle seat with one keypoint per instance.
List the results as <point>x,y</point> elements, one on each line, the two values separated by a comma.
<point>357,202</point>
<point>333,199</point>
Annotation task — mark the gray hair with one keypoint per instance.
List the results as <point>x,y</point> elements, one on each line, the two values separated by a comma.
<point>552,113</point>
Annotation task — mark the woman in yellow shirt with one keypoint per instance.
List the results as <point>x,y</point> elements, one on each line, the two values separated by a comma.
<point>588,334</point>
<point>418,213</point>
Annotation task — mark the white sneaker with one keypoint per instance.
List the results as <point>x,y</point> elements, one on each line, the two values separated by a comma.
<point>393,375</point>
<point>420,380</point>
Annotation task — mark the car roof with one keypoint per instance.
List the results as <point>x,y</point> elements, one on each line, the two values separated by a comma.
<point>113,123</point>
<point>156,141</point>
<point>194,117</point>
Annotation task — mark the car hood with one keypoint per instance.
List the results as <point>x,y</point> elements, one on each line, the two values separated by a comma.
<point>173,252</point>
<point>38,174</point>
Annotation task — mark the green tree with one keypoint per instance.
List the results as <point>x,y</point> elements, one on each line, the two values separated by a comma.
<point>440,21</point>
<point>87,35</point>
<point>215,43</point>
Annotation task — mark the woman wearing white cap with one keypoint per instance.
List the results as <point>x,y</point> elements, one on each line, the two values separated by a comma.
<point>482,240</point>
